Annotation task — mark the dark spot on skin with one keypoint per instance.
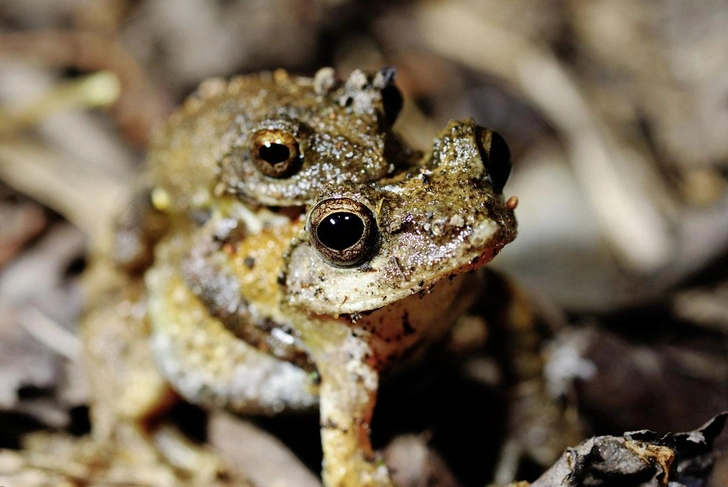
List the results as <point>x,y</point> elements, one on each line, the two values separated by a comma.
<point>451,277</point>
<point>200,216</point>
<point>249,262</point>
<point>421,283</point>
<point>330,424</point>
<point>406,326</point>
<point>359,315</point>
<point>281,280</point>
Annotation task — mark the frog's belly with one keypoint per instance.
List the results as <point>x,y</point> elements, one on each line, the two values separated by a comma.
<point>207,364</point>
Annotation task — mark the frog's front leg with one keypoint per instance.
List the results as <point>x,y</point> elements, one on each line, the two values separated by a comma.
<point>348,392</point>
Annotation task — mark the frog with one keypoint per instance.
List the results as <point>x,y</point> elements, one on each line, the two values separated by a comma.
<point>285,250</point>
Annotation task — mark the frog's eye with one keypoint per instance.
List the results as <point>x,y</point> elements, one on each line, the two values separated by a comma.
<point>496,157</point>
<point>275,153</point>
<point>343,231</point>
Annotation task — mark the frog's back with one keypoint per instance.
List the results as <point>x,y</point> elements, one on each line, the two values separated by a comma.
<point>333,132</point>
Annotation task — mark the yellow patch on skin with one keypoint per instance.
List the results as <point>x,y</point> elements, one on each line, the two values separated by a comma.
<point>264,250</point>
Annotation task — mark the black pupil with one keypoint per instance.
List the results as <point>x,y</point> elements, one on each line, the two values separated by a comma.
<point>340,230</point>
<point>274,153</point>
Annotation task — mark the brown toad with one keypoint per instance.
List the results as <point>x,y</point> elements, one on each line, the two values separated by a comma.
<point>293,249</point>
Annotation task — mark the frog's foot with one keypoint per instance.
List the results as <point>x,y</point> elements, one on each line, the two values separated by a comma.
<point>346,464</point>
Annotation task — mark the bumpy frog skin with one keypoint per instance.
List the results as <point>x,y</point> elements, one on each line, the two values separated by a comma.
<point>294,249</point>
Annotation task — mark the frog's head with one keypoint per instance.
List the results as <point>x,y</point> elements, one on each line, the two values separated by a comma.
<point>292,136</point>
<point>367,246</point>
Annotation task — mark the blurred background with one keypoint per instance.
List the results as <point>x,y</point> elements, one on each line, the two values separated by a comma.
<point>616,112</point>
